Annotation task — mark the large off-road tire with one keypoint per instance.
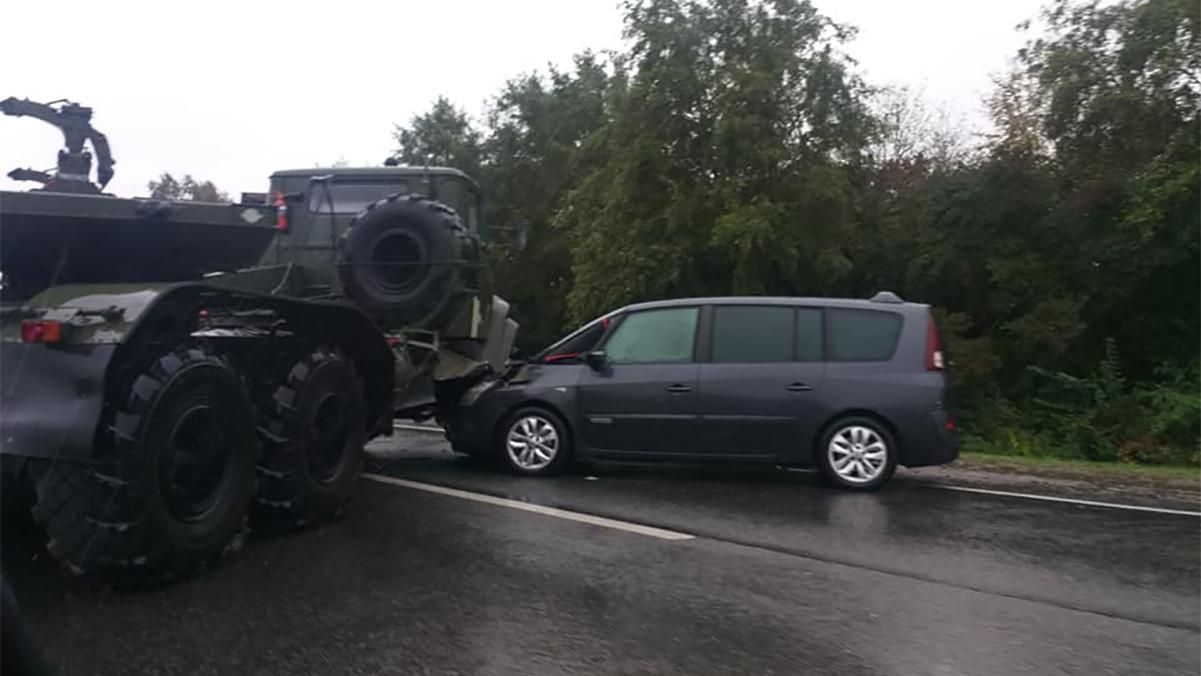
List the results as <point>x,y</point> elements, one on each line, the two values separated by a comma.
<point>316,421</point>
<point>172,479</point>
<point>399,257</point>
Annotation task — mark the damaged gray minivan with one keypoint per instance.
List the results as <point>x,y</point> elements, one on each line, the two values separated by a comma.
<point>850,387</point>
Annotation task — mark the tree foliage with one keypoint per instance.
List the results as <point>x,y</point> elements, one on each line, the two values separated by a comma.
<point>731,149</point>
<point>167,187</point>
<point>444,136</point>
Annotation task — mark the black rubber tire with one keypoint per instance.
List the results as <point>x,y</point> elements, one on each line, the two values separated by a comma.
<point>401,229</point>
<point>294,492</point>
<point>832,477</point>
<point>562,459</point>
<point>111,518</point>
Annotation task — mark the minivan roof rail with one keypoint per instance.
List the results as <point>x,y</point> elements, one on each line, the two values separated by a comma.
<point>886,297</point>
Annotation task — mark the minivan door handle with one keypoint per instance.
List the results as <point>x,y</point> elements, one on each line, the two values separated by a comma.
<point>799,387</point>
<point>678,388</point>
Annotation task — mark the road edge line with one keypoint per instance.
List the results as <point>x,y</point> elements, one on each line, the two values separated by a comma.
<point>1072,501</point>
<point>568,515</point>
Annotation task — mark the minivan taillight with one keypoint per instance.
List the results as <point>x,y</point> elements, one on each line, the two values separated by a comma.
<point>934,356</point>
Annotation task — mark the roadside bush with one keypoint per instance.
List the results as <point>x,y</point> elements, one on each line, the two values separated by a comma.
<point>1094,417</point>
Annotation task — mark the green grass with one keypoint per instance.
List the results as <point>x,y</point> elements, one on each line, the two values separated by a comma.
<point>1034,463</point>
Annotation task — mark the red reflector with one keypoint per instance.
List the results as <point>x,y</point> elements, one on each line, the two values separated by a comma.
<point>393,341</point>
<point>561,357</point>
<point>950,425</point>
<point>934,357</point>
<point>281,212</point>
<point>41,331</point>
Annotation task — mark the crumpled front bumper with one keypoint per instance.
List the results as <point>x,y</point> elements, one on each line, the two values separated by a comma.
<point>51,399</point>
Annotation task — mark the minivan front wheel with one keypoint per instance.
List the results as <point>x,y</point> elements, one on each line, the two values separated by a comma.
<point>857,453</point>
<point>534,442</point>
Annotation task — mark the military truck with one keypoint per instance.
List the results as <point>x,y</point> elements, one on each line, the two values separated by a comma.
<point>172,371</point>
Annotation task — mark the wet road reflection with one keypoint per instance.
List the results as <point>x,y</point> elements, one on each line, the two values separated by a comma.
<point>785,577</point>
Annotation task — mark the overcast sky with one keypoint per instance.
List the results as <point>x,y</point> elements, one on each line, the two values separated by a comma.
<point>229,91</point>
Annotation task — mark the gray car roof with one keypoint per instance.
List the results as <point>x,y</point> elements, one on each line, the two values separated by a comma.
<point>776,300</point>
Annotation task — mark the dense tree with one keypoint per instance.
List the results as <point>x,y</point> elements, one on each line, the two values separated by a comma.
<point>534,154</point>
<point>726,159</point>
<point>444,136</point>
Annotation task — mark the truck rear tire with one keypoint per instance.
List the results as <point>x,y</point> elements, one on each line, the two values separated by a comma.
<point>317,422</point>
<point>172,479</point>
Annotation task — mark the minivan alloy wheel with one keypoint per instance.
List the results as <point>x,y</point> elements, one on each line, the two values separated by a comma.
<point>532,442</point>
<point>857,454</point>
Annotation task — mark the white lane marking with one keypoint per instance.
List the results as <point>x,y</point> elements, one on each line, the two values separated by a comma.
<point>416,428</point>
<point>1073,501</point>
<point>965,489</point>
<point>649,531</point>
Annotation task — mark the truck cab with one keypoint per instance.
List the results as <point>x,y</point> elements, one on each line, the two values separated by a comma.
<point>316,207</point>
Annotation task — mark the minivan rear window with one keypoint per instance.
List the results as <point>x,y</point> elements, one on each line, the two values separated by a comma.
<point>863,335</point>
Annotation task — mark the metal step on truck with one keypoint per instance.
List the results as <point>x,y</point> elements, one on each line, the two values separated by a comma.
<point>173,371</point>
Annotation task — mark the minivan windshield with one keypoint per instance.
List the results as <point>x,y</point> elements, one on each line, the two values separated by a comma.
<point>571,348</point>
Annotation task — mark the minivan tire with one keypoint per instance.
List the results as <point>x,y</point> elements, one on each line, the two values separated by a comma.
<point>847,454</point>
<point>549,432</point>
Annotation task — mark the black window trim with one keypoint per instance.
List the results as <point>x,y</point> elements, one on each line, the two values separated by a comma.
<point>828,339</point>
<point>550,351</point>
<point>709,324</point>
<point>796,328</point>
<point>619,319</point>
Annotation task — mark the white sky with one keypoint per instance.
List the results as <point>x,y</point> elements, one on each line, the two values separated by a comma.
<point>229,91</point>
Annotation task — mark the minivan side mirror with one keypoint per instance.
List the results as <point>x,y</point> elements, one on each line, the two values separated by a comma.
<point>596,359</point>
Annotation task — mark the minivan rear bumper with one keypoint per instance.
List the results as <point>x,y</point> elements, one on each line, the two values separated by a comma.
<point>934,443</point>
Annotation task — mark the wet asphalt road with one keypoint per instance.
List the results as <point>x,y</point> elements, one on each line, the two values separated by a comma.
<point>783,577</point>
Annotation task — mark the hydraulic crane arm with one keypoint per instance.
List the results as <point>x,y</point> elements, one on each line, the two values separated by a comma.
<point>74,163</point>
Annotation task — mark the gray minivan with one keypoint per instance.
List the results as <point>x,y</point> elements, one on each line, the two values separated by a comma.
<point>851,387</point>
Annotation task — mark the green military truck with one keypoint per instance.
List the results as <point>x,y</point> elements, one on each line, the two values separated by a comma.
<point>171,371</point>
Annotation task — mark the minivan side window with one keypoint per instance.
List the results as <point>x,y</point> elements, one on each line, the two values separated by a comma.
<point>863,335</point>
<point>650,336</point>
<point>749,334</point>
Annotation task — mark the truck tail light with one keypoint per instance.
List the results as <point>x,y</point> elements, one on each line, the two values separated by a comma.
<point>934,356</point>
<point>281,211</point>
<point>41,331</point>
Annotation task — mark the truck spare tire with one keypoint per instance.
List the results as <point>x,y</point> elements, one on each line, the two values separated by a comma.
<point>400,257</point>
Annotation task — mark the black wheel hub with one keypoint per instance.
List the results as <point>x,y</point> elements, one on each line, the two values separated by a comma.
<point>328,434</point>
<point>195,463</point>
<point>396,261</point>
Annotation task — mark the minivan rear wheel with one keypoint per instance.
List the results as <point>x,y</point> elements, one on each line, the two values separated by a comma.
<point>857,453</point>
